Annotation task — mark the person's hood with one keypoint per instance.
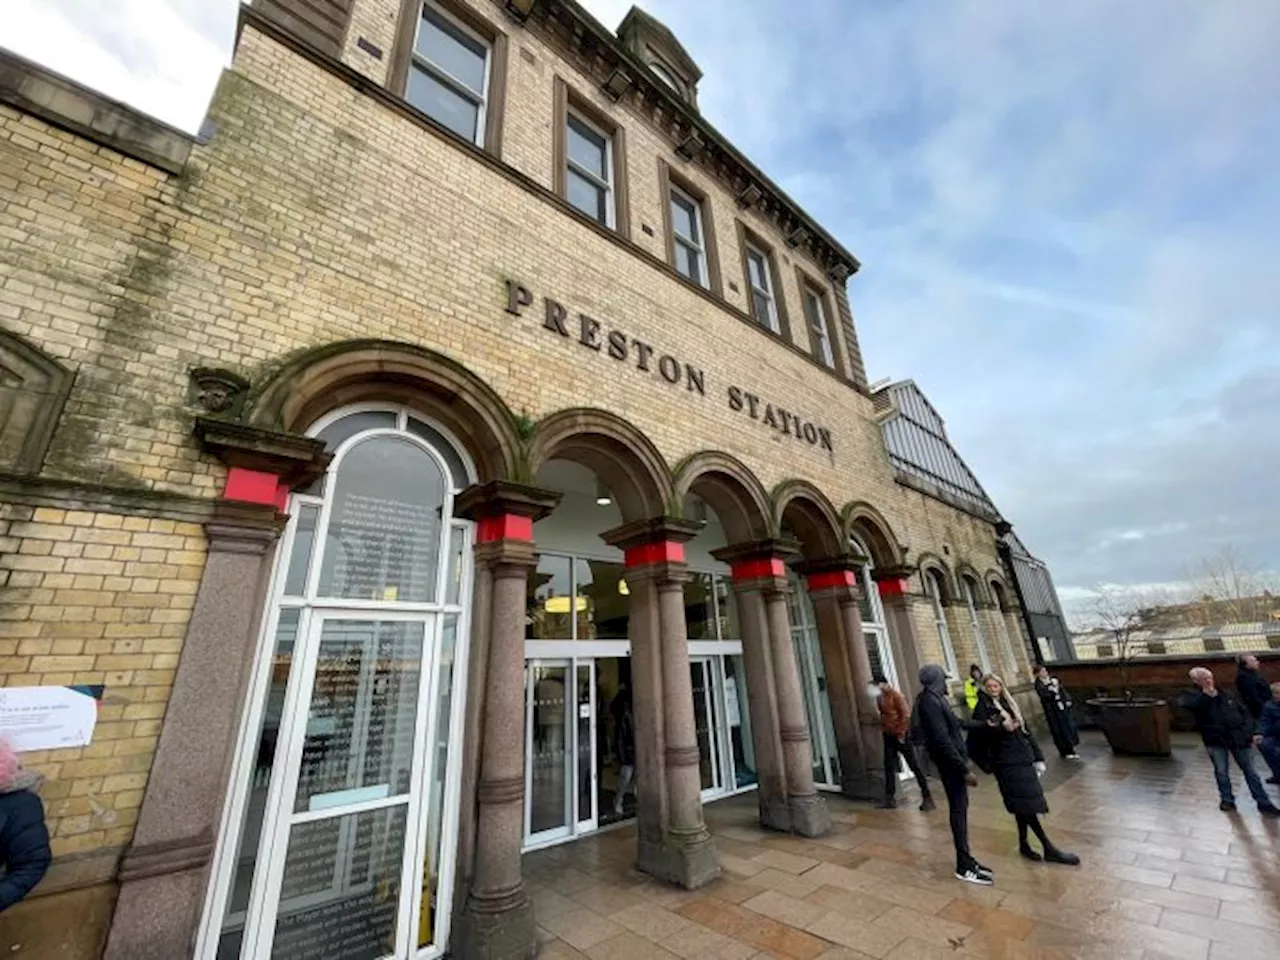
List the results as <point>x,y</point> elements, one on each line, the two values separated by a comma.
<point>23,779</point>
<point>933,679</point>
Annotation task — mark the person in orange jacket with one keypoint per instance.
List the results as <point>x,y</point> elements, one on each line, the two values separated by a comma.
<point>895,721</point>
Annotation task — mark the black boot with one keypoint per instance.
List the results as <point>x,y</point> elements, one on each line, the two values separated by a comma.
<point>1053,855</point>
<point>1028,853</point>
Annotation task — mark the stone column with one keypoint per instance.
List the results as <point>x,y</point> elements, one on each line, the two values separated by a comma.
<point>656,574</point>
<point>870,785</point>
<point>165,870</point>
<point>895,596</point>
<point>496,922</point>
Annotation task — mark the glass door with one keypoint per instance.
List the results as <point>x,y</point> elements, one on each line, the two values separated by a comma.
<point>549,794</point>
<point>813,684</point>
<point>585,775</point>
<point>707,712</point>
<point>342,880</point>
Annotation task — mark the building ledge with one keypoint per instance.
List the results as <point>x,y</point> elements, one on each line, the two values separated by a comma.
<point>31,88</point>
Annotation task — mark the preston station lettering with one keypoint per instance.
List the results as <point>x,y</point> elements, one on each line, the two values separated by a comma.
<point>621,347</point>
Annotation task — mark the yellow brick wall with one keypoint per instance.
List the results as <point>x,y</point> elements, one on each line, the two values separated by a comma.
<point>96,598</point>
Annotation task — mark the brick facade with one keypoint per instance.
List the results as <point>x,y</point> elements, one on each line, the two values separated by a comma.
<point>319,212</point>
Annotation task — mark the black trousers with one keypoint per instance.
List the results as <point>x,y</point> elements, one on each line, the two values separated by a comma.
<point>894,748</point>
<point>958,807</point>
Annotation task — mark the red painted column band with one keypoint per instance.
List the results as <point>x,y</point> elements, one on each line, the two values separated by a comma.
<point>759,568</point>
<point>255,486</point>
<point>893,588</point>
<point>505,526</point>
<point>661,551</point>
<point>832,578</point>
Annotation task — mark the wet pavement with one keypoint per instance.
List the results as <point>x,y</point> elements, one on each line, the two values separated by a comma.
<point>1165,874</point>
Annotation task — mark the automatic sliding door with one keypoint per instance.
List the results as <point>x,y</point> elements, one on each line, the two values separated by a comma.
<point>549,797</point>
<point>706,712</point>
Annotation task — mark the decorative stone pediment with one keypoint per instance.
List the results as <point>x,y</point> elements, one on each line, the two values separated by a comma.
<point>33,390</point>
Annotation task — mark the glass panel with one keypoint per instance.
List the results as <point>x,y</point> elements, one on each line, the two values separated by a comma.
<point>727,608</point>
<point>549,600</point>
<point>548,796</point>
<point>453,582</point>
<point>763,308</point>
<point>699,615</point>
<point>738,718</point>
<point>430,905</point>
<point>443,446</point>
<point>866,603</point>
<point>360,725</point>
<point>341,887</point>
<point>304,538</point>
<point>443,104</point>
<point>251,823</point>
<point>684,218</point>
<point>604,600</point>
<point>756,271</point>
<point>453,51</point>
<point>688,262</point>
<point>336,433</point>
<point>876,654</point>
<point>586,743</point>
<point>586,196</point>
<point>587,148</point>
<point>383,541</point>
<point>703,726</point>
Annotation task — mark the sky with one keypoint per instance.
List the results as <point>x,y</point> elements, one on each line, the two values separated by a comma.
<point>1068,217</point>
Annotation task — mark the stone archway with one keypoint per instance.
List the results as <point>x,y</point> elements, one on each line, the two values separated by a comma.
<point>358,371</point>
<point>801,509</point>
<point>731,490</point>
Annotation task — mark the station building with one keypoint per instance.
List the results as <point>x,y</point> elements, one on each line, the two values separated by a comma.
<point>456,449</point>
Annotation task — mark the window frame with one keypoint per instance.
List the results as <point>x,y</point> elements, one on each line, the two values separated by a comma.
<point>694,245</point>
<point>406,59</point>
<point>570,103</point>
<point>572,166</point>
<point>750,242</point>
<point>969,587</point>
<point>936,592</point>
<point>672,183</point>
<point>819,339</point>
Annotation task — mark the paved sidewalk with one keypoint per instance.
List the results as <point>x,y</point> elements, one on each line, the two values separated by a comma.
<point>1165,875</point>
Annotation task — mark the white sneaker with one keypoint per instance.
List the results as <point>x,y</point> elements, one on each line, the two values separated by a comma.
<point>974,875</point>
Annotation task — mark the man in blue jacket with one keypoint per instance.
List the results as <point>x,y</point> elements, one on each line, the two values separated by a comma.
<point>24,839</point>
<point>1269,730</point>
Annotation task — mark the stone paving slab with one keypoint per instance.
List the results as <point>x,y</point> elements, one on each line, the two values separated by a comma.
<point>1165,875</point>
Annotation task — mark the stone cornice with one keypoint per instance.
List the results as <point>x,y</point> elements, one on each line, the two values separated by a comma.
<point>658,529</point>
<point>295,460</point>
<point>595,50</point>
<point>504,497</point>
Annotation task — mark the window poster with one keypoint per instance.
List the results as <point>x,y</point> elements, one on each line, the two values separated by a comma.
<point>49,718</point>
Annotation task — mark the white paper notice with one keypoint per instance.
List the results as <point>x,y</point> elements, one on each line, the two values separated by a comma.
<point>46,718</point>
<point>731,702</point>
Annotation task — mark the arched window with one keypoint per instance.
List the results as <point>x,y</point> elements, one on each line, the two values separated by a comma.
<point>874,630</point>
<point>1002,626</point>
<point>346,782</point>
<point>937,592</point>
<point>665,75</point>
<point>970,589</point>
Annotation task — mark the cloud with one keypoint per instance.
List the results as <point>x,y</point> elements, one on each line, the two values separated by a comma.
<point>1066,215</point>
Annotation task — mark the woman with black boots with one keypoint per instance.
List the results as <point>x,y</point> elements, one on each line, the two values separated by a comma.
<point>1004,746</point>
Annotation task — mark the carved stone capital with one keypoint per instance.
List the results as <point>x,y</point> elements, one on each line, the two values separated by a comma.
<point>296,460</point>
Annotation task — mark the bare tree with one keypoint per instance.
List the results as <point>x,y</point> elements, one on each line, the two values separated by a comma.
<point>1121,612</point>
<point>1227,588</point>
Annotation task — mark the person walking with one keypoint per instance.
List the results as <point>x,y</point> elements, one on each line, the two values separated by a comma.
<point>1251,684</point>
<point>973,687</point>
<point>1004,747</point>
<point>1227,730</point>
<point>895,723</point>
<point>935,725</point>
<point>1269,730</point>
<point>1057,704</point>
<point>24,838</point>
<point>625,746</point>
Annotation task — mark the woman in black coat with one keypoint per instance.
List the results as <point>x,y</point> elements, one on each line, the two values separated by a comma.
<point>1057,705</point>
<point>1004,747</point>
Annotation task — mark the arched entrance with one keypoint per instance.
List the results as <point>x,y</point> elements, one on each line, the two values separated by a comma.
<point>339,835</point>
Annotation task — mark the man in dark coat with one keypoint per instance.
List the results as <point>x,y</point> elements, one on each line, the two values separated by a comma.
<point>1269,731</point>
<point>935,726</point>
<point>1251,685</point>
<point>1228,730</point>
<point>24,839</point>
<point>1057,706</point>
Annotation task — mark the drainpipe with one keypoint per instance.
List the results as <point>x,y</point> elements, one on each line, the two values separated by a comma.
<point>1003,528</point>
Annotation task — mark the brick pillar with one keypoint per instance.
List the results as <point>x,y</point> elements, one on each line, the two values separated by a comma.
<point>164,872</point>
<point>760,579</point>
<point>674,844</point>
<point>496,921</point>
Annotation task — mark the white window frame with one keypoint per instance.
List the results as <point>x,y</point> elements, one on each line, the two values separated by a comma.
<point>610,197</point>
<point>771,321</point>
<point>932,588</point>
<point>698,245</point>
<point>819,325</point>
<point>1006,639</point>
<point>478,97</point>
<point>979,636</point>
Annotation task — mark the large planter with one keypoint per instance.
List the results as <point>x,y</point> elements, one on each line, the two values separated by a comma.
<point>1139,727</point>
